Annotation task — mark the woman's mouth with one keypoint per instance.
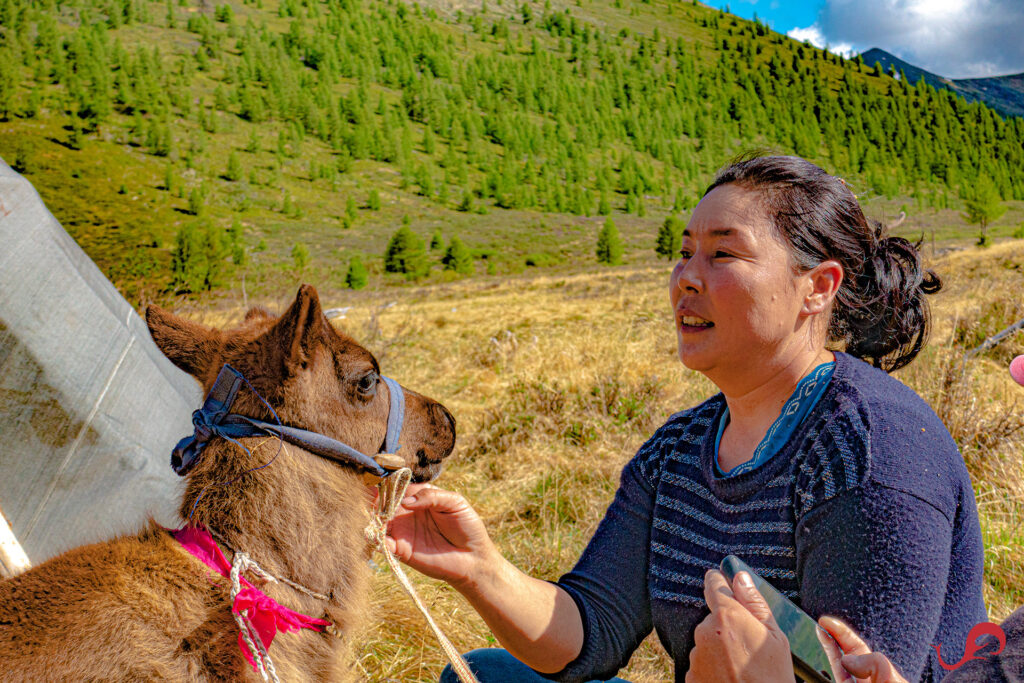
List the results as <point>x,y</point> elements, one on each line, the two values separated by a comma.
<point>693,323</point>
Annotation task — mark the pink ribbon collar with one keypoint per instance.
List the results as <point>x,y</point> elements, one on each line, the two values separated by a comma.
<point>267,616</point>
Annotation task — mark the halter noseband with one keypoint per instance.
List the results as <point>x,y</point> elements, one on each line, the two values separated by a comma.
<point>215,419</point>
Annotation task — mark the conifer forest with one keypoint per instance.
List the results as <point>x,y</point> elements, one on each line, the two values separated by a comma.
<point>193,147</point>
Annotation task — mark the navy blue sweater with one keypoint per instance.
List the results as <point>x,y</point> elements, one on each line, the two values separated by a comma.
<point>867,514</point>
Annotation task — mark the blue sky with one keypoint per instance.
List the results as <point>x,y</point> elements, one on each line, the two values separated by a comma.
<point>954,38</point>
<point>780,15</point>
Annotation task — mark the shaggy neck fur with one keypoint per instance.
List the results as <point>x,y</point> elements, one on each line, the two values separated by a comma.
<point>301,518</point>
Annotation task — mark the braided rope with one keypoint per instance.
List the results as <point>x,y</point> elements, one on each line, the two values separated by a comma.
<point>267,576</point>
<point>392,490</point>
<point>240,563</point>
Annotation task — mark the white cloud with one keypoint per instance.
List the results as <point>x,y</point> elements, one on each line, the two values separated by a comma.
<point>814,36</point>
<point>954,38</point>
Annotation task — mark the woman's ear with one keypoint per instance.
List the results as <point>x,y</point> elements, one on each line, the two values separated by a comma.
<point>825,280</point>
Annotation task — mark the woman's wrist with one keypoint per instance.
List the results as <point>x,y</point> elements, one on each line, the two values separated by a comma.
<point>487,573</point>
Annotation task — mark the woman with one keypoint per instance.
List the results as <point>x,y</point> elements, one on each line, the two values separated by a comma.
<point>829,478</point>
<point>740,634</point>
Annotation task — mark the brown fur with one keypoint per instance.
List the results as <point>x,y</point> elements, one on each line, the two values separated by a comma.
<point>141,608</point>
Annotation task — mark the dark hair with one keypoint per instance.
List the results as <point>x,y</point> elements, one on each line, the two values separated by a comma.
<point>880,312</point>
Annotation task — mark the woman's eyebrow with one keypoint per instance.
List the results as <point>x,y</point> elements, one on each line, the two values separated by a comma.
<point>714,232</point>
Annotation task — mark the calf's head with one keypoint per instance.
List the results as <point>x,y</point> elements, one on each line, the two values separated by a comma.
<point>314,377</point>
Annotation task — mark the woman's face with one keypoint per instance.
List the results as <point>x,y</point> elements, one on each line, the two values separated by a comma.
<point>736,298</point>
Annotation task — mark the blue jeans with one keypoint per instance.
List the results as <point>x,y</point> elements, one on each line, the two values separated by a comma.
<point>494,665</point>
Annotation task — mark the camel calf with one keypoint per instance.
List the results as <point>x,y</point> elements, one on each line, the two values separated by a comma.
<point>143,607</point>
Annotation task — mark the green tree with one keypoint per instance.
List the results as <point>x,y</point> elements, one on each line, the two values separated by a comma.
<point>300,255</point>
<point>235,231</point>
<point>234,172</point>
<point>609,244</point>
<point>373,202</point>
<point>982,205</point>
<point>670,236</point>
<point>356,277</point>
<point>458,258</point>
<point>406,254</point>
<point>169,177</point>
<point>9,82</point>
<point>467,204</point>
<point>198,260</point>
<point>436,240</point>
<point>351,211</point>
<point>196,202</point>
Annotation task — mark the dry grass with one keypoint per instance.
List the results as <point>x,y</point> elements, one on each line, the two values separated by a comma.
<point>556,381</point>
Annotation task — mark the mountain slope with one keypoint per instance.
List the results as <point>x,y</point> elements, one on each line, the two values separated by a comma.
<point>194,147</point>
<point>1005,94</point>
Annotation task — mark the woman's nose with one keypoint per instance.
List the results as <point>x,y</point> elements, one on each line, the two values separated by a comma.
<point>686,276</point>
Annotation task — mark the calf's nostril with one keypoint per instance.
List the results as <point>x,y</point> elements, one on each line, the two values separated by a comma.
<point>448,416</point>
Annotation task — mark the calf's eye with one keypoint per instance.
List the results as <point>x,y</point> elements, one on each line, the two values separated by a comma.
<point>367,383</point>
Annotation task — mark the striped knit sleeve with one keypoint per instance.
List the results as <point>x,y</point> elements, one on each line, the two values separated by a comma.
<point>835,457</point>
<point>649,459</point>
<point>609,583</point>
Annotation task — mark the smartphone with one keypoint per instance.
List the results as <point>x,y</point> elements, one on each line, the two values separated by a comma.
<point>815,653</point>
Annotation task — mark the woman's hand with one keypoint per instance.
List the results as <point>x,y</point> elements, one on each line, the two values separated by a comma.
<point>438,533</point>
<point>739,641</point>
<point>859,660</point>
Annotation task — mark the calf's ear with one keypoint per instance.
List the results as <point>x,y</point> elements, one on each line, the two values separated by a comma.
<point>190,346</point>
<point>300,330</point>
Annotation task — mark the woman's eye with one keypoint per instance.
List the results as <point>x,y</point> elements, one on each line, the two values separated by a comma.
<point>685,253</point>
<point>722,254</point>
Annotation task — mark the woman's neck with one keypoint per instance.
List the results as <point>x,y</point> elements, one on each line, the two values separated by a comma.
<point>757,403</point>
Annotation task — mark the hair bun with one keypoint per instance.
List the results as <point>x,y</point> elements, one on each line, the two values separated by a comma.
<point>891,313</point>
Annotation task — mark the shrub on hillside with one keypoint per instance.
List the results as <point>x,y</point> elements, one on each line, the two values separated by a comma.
<point>356,277</point>
<point>609,244</point>
<point>373,203</point>
<point>458,258</point>
<point>198,262</point>
<point>406,254</point>
<point>300,255</point>
<point>670,236</point>
<point>540,259</point>
<point>234,172</point>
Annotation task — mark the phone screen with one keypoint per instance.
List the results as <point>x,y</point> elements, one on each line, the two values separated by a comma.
<point>815,654</point>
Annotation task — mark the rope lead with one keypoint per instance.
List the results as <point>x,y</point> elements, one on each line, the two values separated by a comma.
<point>392,491</point>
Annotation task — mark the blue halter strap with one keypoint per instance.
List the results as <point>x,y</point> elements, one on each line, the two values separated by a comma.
<point>215,419</point>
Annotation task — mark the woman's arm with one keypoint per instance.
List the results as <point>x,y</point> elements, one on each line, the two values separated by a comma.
<point>439,534</point>
<point>584,628</point>
<point>879,558</point>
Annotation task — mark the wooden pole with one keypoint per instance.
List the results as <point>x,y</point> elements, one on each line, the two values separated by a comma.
<point>13,559</point>
<point>995,339</point>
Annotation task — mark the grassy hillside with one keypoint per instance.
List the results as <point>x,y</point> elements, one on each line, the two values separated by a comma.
<point>192,147</point>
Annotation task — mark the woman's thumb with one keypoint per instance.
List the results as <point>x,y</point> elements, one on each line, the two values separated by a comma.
<point>873,666</point>
<point>747,594</point>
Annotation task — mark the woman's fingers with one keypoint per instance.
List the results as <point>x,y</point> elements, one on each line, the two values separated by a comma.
<point>747,594</point>
<point>859,660</point>
<point>875,667</point>
<point>439,500</point>
<point>848,639</point>
<point>717,592</point>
